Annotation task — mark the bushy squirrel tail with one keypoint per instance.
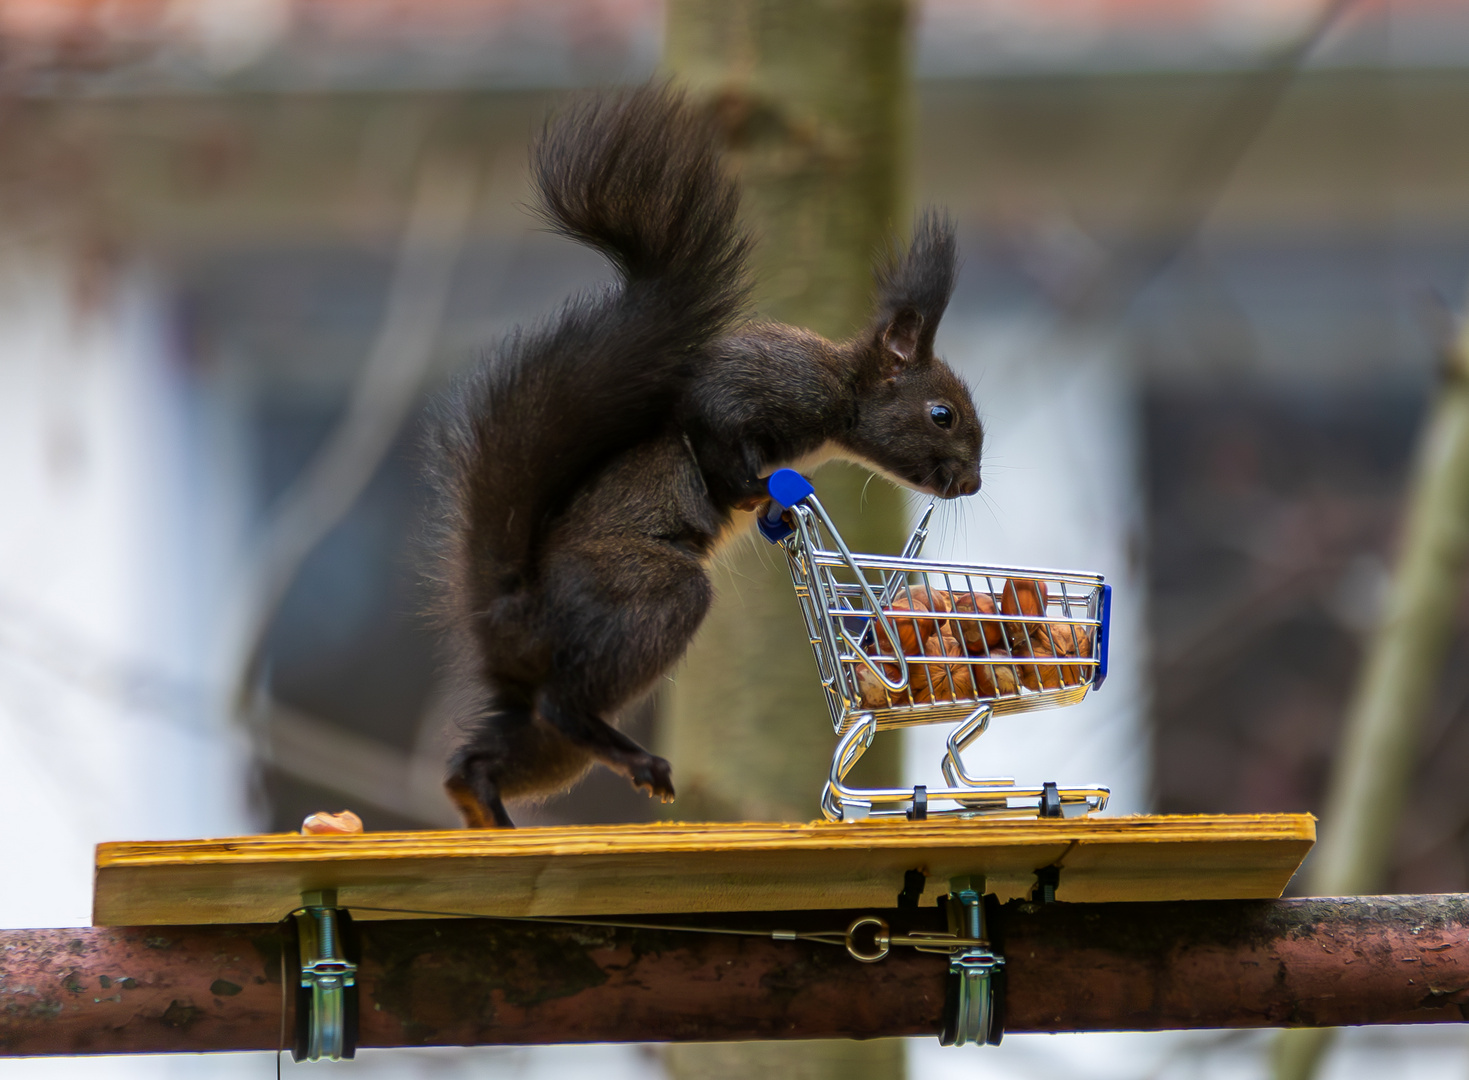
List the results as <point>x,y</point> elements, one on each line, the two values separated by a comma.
<point>637,176</point>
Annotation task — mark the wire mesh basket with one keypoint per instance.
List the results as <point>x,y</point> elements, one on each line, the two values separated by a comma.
<point>902,641</point>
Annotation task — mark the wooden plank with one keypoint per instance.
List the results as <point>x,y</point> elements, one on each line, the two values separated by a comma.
<point>624,869</point>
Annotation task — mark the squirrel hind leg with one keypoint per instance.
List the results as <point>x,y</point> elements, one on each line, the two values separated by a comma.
<point>632,611</point>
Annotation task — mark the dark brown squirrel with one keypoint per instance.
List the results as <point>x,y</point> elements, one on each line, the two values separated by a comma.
<point>589,468</point>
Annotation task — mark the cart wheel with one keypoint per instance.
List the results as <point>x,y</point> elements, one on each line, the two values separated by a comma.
<point>1050,800</point>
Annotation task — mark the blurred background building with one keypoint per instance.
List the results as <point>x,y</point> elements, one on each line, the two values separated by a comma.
<point>1213,251</point>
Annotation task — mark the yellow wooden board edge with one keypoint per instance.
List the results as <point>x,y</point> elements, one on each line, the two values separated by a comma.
<point>625,869</point>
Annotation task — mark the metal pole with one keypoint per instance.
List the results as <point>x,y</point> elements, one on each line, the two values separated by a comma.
<point>1069,967</point>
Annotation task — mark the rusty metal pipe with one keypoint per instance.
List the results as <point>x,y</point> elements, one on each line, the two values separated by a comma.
<point>1071,967</point>
<point>144,989</point>
<point>1246,963</point>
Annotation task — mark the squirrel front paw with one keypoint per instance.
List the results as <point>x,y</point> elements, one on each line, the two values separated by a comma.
<point>654,775</point>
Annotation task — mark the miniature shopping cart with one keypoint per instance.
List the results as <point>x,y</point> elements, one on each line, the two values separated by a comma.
<point>902,641</point>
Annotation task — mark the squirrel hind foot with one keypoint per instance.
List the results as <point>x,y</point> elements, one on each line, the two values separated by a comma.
<point>477,797</point>
<point>594,736</point>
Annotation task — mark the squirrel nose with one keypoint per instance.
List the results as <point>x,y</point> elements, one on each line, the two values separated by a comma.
<point>969,485</point>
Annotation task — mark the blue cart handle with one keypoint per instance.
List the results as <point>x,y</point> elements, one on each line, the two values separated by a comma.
<point>786,488</point>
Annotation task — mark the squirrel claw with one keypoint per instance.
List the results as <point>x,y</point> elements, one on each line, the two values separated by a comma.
<point>655,776</point>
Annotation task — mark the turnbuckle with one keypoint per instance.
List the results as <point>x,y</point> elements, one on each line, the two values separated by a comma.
<point>326,998</point>
<point>875,929</point>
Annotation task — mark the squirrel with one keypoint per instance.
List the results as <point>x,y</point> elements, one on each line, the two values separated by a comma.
<point>591,466</point>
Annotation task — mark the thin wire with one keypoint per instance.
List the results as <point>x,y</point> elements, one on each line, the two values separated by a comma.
<point>824,937</point>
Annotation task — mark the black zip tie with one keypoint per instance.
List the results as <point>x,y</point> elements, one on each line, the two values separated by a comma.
<point>1050,800</point>
<point>913,883</point>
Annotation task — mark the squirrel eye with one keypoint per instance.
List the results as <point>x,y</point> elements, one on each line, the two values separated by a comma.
<point>942,415</point>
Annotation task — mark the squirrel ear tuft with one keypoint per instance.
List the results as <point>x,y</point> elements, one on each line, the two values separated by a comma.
<point>900,337</point>
<point>913,288</point>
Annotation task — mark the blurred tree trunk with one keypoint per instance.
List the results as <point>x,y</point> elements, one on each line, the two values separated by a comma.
<point>1400,674</point>
<point>815,99</point>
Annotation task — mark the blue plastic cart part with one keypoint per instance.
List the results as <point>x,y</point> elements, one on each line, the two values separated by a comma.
<point>786,487</point>
<point>1104,638</point>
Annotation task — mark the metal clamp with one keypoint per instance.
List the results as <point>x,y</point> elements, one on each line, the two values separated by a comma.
<point>326,998</point>
<point>974,1004</point>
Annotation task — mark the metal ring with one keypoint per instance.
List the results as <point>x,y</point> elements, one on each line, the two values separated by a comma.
<point>880,939</point>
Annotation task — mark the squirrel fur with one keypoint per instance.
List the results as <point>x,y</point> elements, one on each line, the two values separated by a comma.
<point>590,467</point>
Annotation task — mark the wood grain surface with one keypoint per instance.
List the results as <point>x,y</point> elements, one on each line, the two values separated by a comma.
<point>744,866</point>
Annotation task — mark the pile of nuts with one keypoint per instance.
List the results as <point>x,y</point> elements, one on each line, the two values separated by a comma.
<point>998,644</point>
